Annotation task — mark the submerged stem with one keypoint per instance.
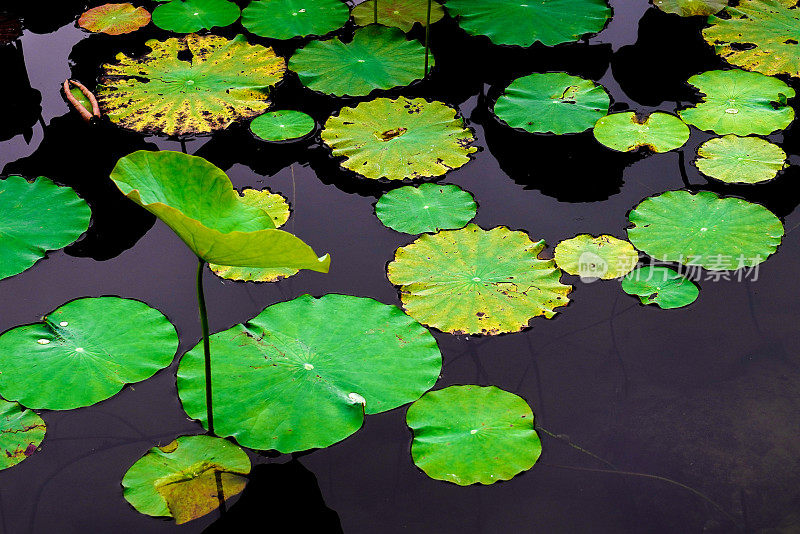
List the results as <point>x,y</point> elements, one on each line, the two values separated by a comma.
<point>201,306</point>
<point>427,36</point>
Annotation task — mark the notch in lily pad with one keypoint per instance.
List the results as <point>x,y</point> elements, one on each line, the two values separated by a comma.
<point>662,286</point>
<point>626,132</point>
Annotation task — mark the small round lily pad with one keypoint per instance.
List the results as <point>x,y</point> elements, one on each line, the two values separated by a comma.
<point>401,14</point>
<point>21,433</point>
<point>114,19</point>
<point>691,8</point>
<point>740,160</point>
<point>427,208</point>
<point>285,19</point>
<point>661,286</point>
<point>604,257</point>
<point>625,132</point>
<point>282,125</point>
<point>188,16</point>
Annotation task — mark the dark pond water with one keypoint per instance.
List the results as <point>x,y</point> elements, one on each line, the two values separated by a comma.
<point>707,395</point>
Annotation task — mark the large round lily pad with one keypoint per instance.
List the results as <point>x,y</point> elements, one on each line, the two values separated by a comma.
<point>114,19</point>
<point>427,208</point>
<point>401,14</point>
<point>659,132</point>
<point>179,480</point>
<point>591,257</point>
<point>303,373</point>
<point>552,102</point>
<point>282,125</point>
<point>661,286</point>
<point>187,16</point>
<point>84,352</point>
<point>476,281</point>
<point>21,433</point>
<point>285,19</point>
<point>36,217</point>
<point>399,139</point>
<point>161,93</point>
<point>691,8</point>
<point>704,230</point>
<point>744,160</point>
<point>473,434</point>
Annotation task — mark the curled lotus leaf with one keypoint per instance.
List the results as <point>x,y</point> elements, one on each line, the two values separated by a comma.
<point>661,286</point>
<point>399,139</point>
<point>659,132</point>
<point>472,434</point>
<point>691,8</point>
<point>740,160</point>
<point>182,479</point>
<point>285,19</point>
<point>224,81</point>
<point>705,230</point>
<point>427,208</point>
<point>114,19</point>
<point>282,125</point>
<point>401,14</point>
<point>303,373</point>
<point>21,433</point>
<point>476,281</point>
<point>604,257</point>
<point>187,16</point>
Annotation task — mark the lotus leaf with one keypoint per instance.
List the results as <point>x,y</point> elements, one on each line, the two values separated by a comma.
<point>476,281</point>
<point>399,139</point>
<point>84,352</point>
<point>187,16</point>
<point>473,434</point>
<point>114,19</point>
<point>704,230</point>
<point>660,132</point>
<point>691,8</point>
<point>552,102</point>
<point>225,81</point>
<point>37,216</point>
<point>591,257</point>
<point>303,373</point>
<point>550,22</point>
<point>660,286</point>
<point>401,14</point>
<point>739,102</point>
<point>377,58</point>
<point>733,159</point>
<point>21,433</point>
<point>81,98</point>
<point>180,479</point>
<point>284,19</point>
<point>427,208</point>
<point>282,125</point>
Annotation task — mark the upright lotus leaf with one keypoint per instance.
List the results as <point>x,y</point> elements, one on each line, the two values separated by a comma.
<point>21,433</point>
<point>591,257</point>
<point>691,8</point>
<point>770,29</point>
<point>401,14</point>
<point>659,132</point>
<point>702,229</point>
<point>224,81</point>
<point>399,139</point>
<point>114,19</point>
<point>282,125</point>
<point>550,22</point>
<point>472,434</point>
<point>36,217</point>
<point>284,19</point>
<point>660,286</point>
<point>187,16</point>
<point>739,102</point>
<point>180,479</point>
<point>377,58</point>
<point>84,352</point>
<point>476,281</point>
<point>303,373</point>
<point>740,160</point>
<point>552,102</point>
<point>427,208</point>
<point>197,200</point>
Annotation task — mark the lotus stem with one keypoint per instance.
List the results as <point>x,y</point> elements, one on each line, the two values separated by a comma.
<point>201,306</point>
<point>427,37</point>
<point>375,11</point>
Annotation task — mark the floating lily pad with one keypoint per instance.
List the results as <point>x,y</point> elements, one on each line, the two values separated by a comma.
<point>427,208</point>
<point>282,125</point>
<point>303,373</point>
<point>660,286</point>
<point>476,281</point>
<point>704,230</point>
<point>691,8</point>
<point>114,19</point>
<point>399,139</point>
<point>473,434</point>
<point>225,81</point>
<point>21,433</point>
<point>188,16</point>
<point>591,257</point>
<point>377,58</point>
<point>745,160</point>
<point>739,102</point>
<point>659,132</point>
<point>37,216</point>
<point>401,14</point>
<point>84,352</point>
<point>180,479</point>
<point>285,19</point>
<point>550,22</point>
<point>552,102</point>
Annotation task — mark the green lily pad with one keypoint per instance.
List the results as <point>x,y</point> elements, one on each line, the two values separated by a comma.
<point>604,257</point>
<point>21,433</point>
<point>399,139</point>
<point>197,200</point>
<point>180,479</point>
<point>377,58</point>
<point>285,19</point>
<point>660,132</point>
<point>282,125</point>
<point>427,208</point>
<point>224,81</point>
<point>401,14</point>
<point>84,352</point>
<point>739,102</point>
<point>660,286</point>
<point>473,434</point>
<point>303,373</point>
<point>740,160</point>
<point>704,230</point>
<point>114,19</point>
<point>552,102</point>
<point>550,22</point>
<point>476,281</point>
<point>188,16</point>
<point>691,8</point>
<point>37,216</point>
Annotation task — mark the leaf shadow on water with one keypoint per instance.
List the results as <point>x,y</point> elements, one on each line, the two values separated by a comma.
<point>20,117</point>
